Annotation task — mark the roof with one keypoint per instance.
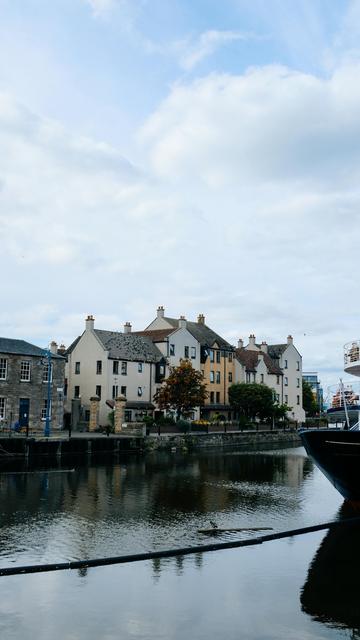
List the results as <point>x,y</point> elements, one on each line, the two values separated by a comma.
<point>250,359</point>
<point>276,350</point>
<point>156,335</point>
<point>202,333</point>
<point>23,348</point>
<point>128,346</point>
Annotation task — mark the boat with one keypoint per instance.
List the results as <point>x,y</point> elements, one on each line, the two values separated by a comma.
<point>336,451</point>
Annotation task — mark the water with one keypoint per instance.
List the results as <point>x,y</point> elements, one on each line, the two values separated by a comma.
<point>303,587</point>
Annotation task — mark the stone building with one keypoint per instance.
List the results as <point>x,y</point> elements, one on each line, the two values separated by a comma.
<point>24,381</point>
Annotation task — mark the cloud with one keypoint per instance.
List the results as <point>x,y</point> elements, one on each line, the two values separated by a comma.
<point>192,52</point>
<point>101,7</point>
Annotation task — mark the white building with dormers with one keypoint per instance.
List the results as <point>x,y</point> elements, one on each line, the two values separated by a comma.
<point>279,366</point>
<point>107,364</point>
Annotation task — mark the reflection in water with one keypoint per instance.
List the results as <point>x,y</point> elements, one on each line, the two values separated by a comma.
<point>331,593</point>
<point>142,504</point>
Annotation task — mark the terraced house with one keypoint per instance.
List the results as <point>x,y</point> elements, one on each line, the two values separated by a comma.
<point>213,355</point>
<point>107,364</point>
<point>24,379</point>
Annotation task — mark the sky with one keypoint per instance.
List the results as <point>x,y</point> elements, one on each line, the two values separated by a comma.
<point>195,154</point>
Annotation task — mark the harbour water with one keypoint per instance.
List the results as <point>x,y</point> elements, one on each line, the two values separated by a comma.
<point>295,588</point>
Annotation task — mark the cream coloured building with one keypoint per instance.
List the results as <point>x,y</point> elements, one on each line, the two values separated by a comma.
<point>107,364</point>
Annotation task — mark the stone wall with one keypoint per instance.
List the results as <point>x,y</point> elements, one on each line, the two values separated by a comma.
<point>220,440</point>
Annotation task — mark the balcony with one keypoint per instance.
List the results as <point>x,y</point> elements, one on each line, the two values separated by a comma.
<point>352,357</point>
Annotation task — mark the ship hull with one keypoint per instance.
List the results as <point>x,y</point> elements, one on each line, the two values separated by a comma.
<point>337,454</point>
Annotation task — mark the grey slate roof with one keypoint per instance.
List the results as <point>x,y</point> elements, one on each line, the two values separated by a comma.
<point>22,348</point>
<point>202,333</point>
<point>126,346</point>
<point>276,350</point>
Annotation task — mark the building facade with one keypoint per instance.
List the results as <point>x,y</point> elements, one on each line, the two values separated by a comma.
<point>107,364</point>
<point>24,385</point>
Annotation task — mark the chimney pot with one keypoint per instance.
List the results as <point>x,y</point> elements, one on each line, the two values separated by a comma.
<point>127,327</point>
<point>89,323</point>
<point>201,318</point>
<point>264,347</point>
<point>160,312</point>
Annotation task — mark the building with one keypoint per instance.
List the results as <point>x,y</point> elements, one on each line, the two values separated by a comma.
<point>107,364</point>
<point>24,379</point>
<point>312,378</point>
<point>279,366</point>
<point>209,353</point>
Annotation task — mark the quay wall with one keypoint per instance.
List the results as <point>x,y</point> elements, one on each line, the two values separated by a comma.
<point>222,440</point>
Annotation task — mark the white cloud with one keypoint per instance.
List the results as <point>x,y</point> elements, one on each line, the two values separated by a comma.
<point>191,52</point>
<point>101,7</point>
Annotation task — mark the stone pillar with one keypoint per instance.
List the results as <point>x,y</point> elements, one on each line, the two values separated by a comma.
<point>120,402</point>
<point>94,413</point>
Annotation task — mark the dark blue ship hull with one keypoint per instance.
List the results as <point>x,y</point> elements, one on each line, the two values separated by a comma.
<point>337,454</point>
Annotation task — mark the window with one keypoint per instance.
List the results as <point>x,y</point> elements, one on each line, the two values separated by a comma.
<point>211,354</point>
<point>77,367</point>
<point>248,377</point>
<point>140,367</point>
<point>186,352</point>
<point>277,379</point>
<point>262,378</point>
<point>286,399</point>
<point>212,376</point>
<point>87,415</point>
<point>230,357</point>
<point>230,376</point>
<point>218,377</point>
<point>172,349</point>
<point>162,370</point>
<point>217,397</point>
<point>45,377</point>
<point>3,368</point>
<point>123,391</point>
<point>285,364</point>
<point>277,397</point>
<point>127,415</point>
<point>44,409</point>
<point>2,408</point>
<point>76,392</point>
<point>25,371</point>
<point>212,395</point>
<point>115,391</point>
<point>286,382</point>
<point>218,356</point>
<point>297,365</point>
<point>124,368</point>
<point>116,367</point>
<point>98,391</point>
<point>297,399</point>
<point>99,367</point>
<point>140,392</point>
<point>298,382</point>
<point>254,377</point>
<point>193,353</point>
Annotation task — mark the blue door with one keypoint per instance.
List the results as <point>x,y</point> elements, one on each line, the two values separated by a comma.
<point>24,406</point>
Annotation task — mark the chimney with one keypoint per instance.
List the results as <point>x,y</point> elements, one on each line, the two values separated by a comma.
<point>264,347</point>
<point>160,312</point>
<point>89,323</point>
<point>53,347</point>
<point>61,349</point>
<point>240,343</point>
<point>290,339</point>
<point>182,322</point>
<point>201,318</point>
<point>251,340</point>
<point>127,327</point>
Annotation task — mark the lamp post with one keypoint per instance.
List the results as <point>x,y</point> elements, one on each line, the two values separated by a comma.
<point>48,404</point>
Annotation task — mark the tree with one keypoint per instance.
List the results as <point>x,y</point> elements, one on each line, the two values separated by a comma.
<point>309,403</point>
<point>182,391</point>
<point>252,400</point>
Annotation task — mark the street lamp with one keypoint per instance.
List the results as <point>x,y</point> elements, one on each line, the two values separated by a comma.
<point>47,360</point>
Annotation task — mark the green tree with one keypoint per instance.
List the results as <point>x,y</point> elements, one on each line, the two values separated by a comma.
<point>252,400</point>
<point>309,403</point>
<point>182,391</point>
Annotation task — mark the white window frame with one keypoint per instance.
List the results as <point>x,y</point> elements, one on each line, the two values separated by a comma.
<point>124,368</point>
<point>218,377</point>
<point>45,377</point>
<point>25,368</point>
<point>44,409</point>
<point>77,368</point>
<point>186,351</point>
<point>2,408</point>
<point>286,381</point>
<point>139,391</point>
<point>140,367</point>
<point>212,377</point>
<point>171,350</point>
<point>115,391</point>
<point>3,368</point>
<point>193,353</point>
<point>98,367</point>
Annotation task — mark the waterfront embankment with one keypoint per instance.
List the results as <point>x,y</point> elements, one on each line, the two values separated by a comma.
<point>88,445</point>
